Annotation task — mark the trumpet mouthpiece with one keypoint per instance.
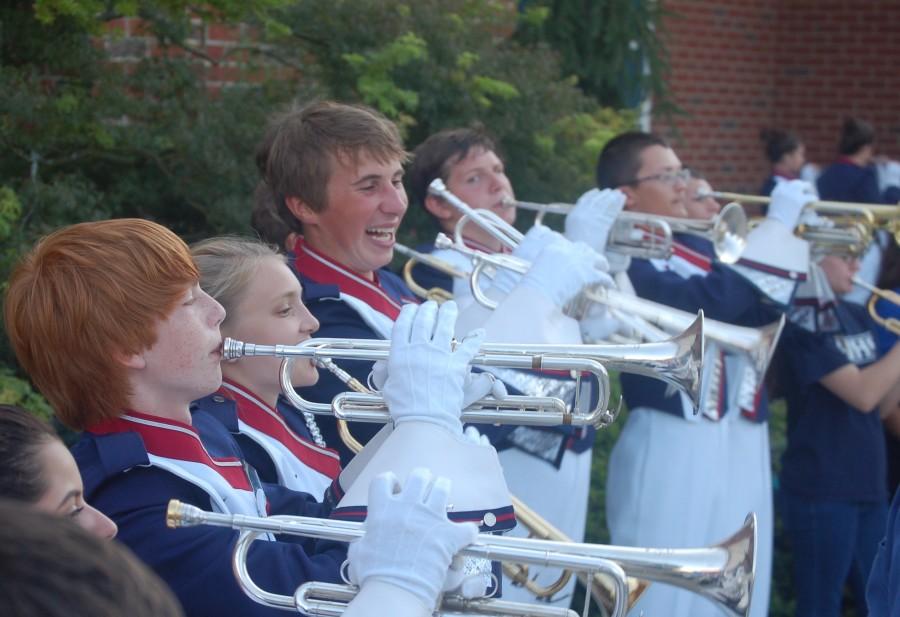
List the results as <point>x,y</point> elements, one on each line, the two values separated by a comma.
<point>232,349</point>
<point>179,514</point>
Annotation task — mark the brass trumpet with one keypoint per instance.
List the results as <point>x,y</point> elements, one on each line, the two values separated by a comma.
<point>723,573</point>
<point>435,293</point>
<point>892,324</point>
<point>676,361</point>
<point>650,237</point>
<point>877,215</point>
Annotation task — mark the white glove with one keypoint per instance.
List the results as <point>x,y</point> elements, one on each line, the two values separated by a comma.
<point>531,246</point>
<point>534,242</point>
<point>476,387</point>
<point>425,377</point>
<point>409,540</point>
<point>598,324</point>
<point>593,216</point>
<point>563,270</point>
<point>789,197</point>
<point>888,174</point>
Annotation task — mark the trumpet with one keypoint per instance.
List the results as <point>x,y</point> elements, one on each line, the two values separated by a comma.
<point>650,237</point>
<point>758,344</point>
<point>723,573</point>
<point>884,216</point>
<point>330,600</point>
<point>676,361</point>
<point>435,293</point>
<point>892,324</point>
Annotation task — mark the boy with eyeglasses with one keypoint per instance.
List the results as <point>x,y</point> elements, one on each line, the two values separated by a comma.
<point>671,471</point>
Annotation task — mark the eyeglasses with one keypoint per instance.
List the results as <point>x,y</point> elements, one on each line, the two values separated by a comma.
<point>668,177</point>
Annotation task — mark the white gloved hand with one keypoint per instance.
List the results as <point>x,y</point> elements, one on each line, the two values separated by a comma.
<point>425,377</point>
<point>476,387</point>
<point>598,324</point>
<point>409,541</point>
<point>563,270</point>
<point>593,216</point>
<point>789,197</point>
<point>531,246</point>
<point>888,174</point>
<point>534,242</point>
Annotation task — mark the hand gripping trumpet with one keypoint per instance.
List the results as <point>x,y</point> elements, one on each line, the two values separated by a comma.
<point>676,361</point>
<point>723,573</point>
<point>649,236</point>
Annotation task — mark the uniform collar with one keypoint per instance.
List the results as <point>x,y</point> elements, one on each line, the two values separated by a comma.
<point>323,270</point>
<point>176,440</point>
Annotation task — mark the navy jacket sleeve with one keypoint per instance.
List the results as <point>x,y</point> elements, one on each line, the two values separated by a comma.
<point>196,561</point>
<point>723,294</point>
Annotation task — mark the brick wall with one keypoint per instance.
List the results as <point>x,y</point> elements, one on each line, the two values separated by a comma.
<point>223,55</point>
<point>739,66</point>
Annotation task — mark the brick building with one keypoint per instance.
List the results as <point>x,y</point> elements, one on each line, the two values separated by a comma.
<point>741,65</point>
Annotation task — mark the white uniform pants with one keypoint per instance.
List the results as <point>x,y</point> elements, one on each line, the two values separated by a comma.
<point>675,483</point>
<point>560,496</point>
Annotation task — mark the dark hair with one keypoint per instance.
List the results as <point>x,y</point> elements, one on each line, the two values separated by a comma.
<point>434,157</point>
<point>301,146</point>
<point>21,437</point>
<point>53,568</point>
<point>777,143</point>
<point>620,159</point>
<point>889,278</point>
<point>265,220</point>
<point>855,134</point>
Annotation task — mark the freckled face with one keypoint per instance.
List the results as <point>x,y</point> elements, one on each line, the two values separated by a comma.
<point>184,362</point>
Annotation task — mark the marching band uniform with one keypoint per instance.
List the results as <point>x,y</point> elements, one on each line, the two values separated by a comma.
<point>833,470</point>
<point>722,454</point>
<point>133,465</point>
<point>278,445</point>
<point>346,306</point>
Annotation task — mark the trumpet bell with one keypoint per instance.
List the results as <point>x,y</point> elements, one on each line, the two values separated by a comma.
<point>729,234</point>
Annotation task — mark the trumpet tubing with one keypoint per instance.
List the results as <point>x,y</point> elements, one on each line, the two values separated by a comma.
<point>329,600</point>
<point>759,344</point>
<point>723,573</point>
<point>891,324</point>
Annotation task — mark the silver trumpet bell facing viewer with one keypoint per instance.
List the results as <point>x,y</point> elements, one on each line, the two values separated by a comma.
<point>723,573</point>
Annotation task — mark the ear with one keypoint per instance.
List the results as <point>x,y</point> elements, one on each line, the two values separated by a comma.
<point>630,196</point>
<point>439,208</point>
<point>133,361</point>
<point>301,211</point>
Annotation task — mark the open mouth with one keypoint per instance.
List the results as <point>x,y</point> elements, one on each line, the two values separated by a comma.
<point>385,234</point>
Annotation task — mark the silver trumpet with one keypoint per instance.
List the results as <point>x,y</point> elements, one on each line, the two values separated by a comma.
<point>330,600</point>
<point>758,344</point>
<point>723,573</point>
<point>649,236</point>
<point>676,361</point>
<point>635,234</point>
